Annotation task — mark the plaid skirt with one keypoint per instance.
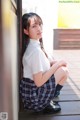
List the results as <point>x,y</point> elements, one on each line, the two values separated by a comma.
<point>36,98</point>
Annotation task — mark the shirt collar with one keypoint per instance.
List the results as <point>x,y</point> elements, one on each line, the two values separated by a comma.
<point>34,42</point>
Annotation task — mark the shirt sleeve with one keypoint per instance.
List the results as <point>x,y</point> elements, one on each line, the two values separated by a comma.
<point>36,62</point>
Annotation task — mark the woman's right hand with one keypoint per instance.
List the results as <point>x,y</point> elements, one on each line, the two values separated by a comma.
<point>58,64</point>
<point>62,63</point>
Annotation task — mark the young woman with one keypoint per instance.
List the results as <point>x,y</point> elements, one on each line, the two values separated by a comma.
<point>42,80</point>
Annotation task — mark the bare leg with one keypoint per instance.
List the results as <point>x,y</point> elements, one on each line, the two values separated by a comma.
<point>61,75</point>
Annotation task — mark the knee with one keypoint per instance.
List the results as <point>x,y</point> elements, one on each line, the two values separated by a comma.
<point>65,72</point>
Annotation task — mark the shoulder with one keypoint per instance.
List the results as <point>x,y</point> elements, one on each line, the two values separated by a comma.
<point>33,52</point>
<point>37,52</point>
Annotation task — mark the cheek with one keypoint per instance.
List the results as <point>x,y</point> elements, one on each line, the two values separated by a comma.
<point>32,34</point>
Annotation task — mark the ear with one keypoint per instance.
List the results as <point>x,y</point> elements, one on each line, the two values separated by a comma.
<point>26,32</point>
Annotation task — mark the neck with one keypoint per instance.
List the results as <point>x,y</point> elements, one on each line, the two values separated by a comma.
<point>34,39</point>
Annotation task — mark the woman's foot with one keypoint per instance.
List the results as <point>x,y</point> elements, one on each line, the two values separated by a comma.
<point>52,108</point>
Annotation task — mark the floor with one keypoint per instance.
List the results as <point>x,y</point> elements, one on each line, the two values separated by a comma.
<point>69,98</point>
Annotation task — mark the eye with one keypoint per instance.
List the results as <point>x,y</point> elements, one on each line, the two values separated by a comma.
<point>40,24</point>
<point>33,26</point>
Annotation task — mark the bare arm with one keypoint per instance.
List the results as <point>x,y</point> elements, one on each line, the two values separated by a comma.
<point>40,78</point>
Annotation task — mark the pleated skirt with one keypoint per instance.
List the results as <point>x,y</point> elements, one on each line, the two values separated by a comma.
<point>36,98</point>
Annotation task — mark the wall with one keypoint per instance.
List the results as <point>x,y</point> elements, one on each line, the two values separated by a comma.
<point>8,63</point>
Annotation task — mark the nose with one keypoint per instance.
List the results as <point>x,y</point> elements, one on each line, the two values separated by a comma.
<point>39,27</point>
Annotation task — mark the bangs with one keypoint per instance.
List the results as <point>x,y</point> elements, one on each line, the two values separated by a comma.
<point>37,20</point>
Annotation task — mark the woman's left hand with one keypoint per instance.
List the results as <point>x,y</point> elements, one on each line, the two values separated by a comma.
<point>53,62</point>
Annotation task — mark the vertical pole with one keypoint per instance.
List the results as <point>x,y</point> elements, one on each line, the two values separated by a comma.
<point>19,25</point>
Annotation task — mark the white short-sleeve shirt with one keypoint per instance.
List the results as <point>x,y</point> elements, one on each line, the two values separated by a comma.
<point>34,60</point>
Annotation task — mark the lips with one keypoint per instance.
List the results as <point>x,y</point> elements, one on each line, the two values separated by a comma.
<point>39,33</point>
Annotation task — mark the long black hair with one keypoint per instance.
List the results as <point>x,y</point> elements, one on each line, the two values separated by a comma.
<point>25,25</point>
